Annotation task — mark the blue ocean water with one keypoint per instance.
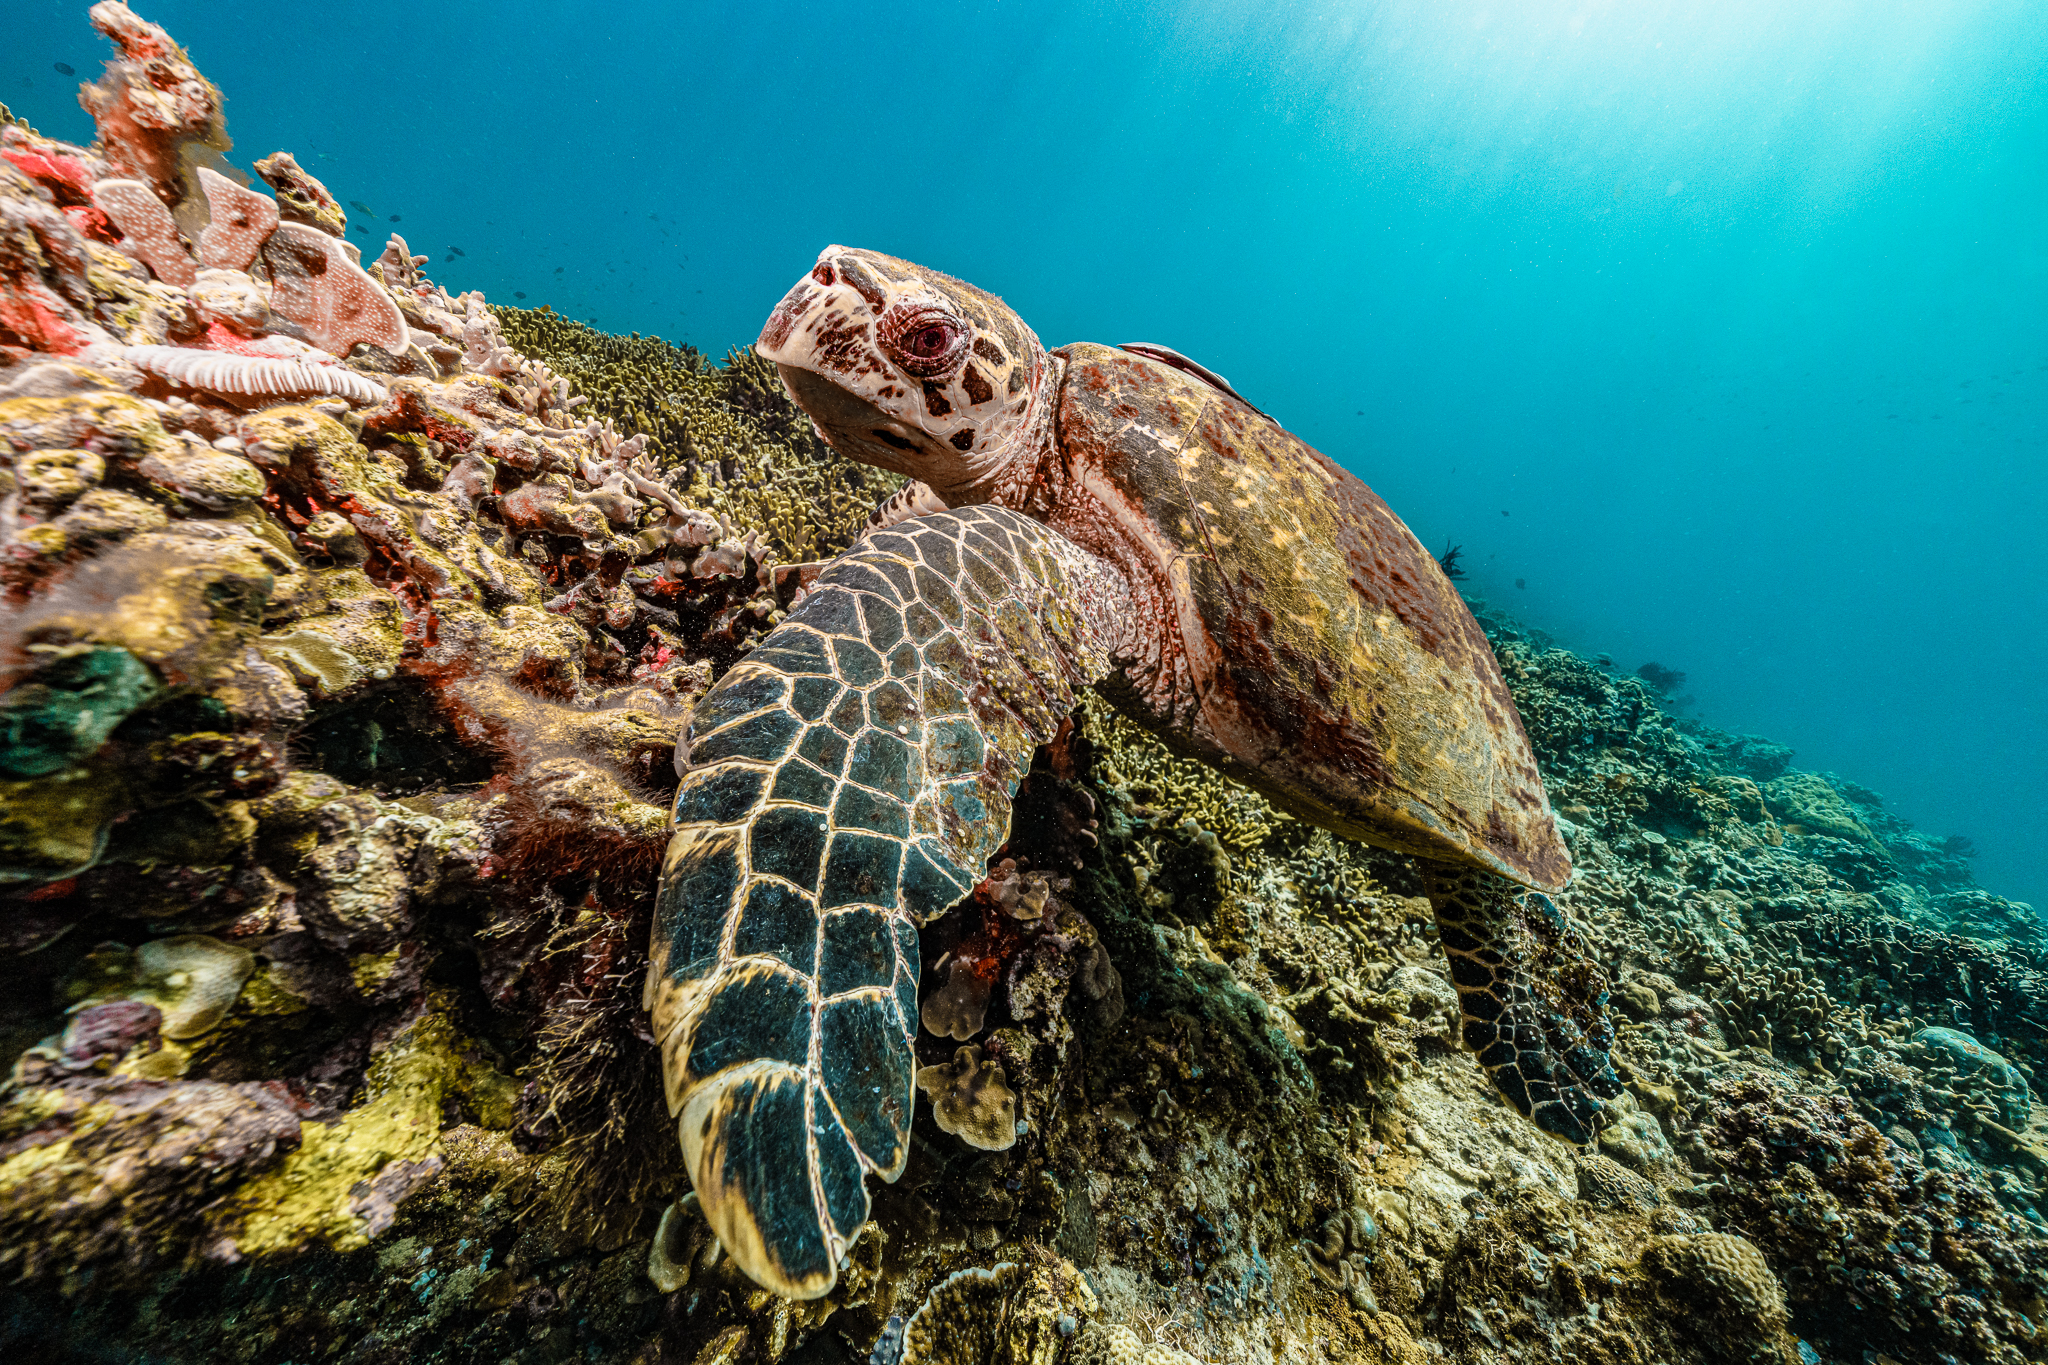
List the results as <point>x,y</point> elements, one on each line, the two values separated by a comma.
<point>1716,331</point>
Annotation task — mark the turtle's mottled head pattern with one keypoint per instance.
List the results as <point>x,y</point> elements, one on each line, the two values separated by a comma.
<point>911,370</point>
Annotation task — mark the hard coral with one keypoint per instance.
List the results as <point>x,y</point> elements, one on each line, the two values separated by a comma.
<point>1014,1313</point>
<point>192,980</point>
<point>120,1175</point>
<point>1873,1247</point>
<point>253,379</point>
<point>971,1100</point>
<point>406,677</point>
<point>1727,1280</point>
<point>158,118</point>
<point>728,434</point>
<point>315,284</point>
<point>301,198</point>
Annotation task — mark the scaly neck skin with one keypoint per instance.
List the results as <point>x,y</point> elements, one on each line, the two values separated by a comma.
<point>1023,474</point>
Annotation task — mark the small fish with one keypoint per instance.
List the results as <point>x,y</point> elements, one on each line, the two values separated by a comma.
<point>360,207</point>
<point>1503,511</point>
<point>64,68</point>
<point>558,269</point>
<point>1521,582</point>
<point>458,251</point>
<point>394,218</point>
<point>446,259</point>
<point>518,293</point>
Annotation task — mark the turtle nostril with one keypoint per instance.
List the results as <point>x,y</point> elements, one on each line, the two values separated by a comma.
<point>823,274</point>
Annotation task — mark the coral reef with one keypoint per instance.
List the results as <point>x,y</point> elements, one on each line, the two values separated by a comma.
<point>341,664</point>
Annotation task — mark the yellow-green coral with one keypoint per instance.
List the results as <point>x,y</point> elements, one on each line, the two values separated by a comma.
<point>118,426</point>
<point>9,116</point>
<point>53,826</point>
<point>359,637</point>
<point>757,461</point>
<point>312,1195</point>
<point>182,603</point>
<point>1136,760</point>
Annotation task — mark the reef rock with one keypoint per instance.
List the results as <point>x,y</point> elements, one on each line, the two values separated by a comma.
<point>348,629</point>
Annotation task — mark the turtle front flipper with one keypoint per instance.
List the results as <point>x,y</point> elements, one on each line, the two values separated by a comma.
<point>845,782</point>
<point>1534,999</point>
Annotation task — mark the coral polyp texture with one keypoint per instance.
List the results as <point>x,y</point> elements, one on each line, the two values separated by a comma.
<point>350,628</point>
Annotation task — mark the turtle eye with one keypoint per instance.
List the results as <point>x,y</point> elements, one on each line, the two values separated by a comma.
<point>929,342</point>
<point>924,342</point>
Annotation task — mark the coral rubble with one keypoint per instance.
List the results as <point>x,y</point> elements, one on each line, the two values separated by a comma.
<point>349,626</point>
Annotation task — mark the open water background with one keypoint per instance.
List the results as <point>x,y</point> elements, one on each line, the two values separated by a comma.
<point>1716,331</point>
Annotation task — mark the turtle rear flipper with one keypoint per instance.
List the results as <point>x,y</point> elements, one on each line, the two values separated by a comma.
<point>1534,1000</point>
<point>846,781</point>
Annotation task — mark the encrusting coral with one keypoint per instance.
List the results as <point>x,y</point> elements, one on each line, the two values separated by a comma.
<point>337,734</point>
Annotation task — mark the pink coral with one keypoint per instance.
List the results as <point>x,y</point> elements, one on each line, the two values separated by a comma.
<point>157,115</point>
<point>241,220</point>
<point>147,227</point>
<point>317,286</point>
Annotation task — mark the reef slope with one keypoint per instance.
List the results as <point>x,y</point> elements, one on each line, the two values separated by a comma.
<point>348,628</point>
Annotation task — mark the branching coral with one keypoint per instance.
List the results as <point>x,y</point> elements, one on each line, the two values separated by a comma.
<point>378,693</point>
<point>728,435</point>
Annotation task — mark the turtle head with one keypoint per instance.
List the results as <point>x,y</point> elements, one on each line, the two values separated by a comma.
<point>911,370</point>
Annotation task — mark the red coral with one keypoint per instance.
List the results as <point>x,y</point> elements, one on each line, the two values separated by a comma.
<point>33,319</point>
<point>65,177</point>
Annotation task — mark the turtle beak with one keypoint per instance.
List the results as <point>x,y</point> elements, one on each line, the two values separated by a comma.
<point>821,319</point>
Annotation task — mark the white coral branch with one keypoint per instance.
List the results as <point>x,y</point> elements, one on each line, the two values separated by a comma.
<point>251,376</point>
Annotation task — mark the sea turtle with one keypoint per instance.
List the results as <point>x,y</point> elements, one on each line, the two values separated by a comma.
<point>1095,515</point>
